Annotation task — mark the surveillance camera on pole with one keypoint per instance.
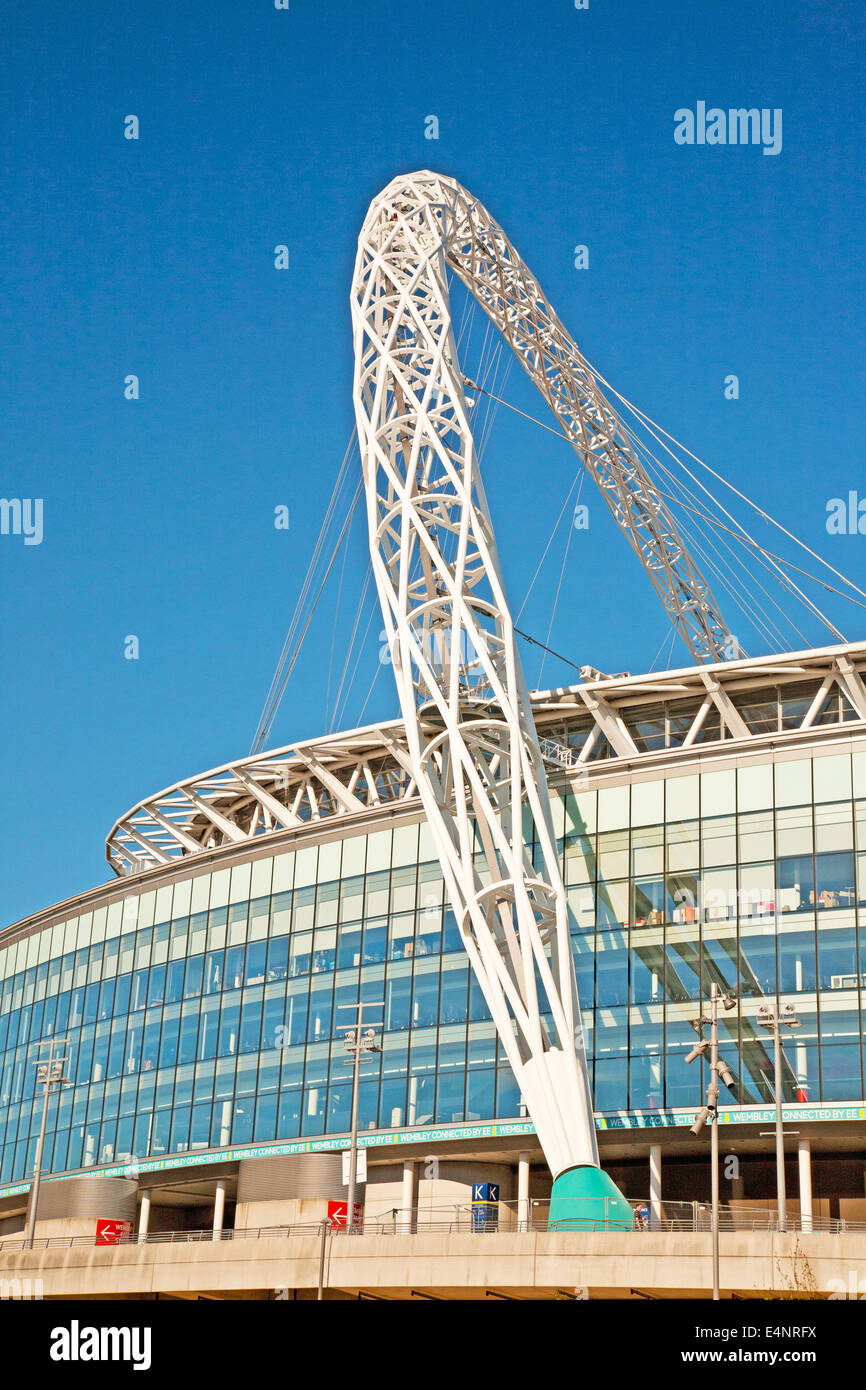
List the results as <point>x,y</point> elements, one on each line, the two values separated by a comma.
<point>726,1074</point>
<point>705,1113</point>
<point>362,1043</point>
<point>709,1113</point>
<point>772,1021</point>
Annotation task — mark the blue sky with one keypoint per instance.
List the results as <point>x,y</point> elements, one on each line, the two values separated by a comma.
<point>155,257</point>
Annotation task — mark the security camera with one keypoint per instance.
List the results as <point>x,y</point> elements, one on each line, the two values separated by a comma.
<point>703,1115</point>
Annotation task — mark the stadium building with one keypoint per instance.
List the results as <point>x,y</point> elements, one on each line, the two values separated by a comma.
<point>712,828</point>
<point>679,836</point>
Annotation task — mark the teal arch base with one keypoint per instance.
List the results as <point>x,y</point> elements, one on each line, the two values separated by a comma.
<point>587,1199</point>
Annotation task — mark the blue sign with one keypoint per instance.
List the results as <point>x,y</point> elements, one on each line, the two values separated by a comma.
<point>485,1205</point>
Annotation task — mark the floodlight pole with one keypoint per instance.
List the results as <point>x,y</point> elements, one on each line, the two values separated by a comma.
<point>50,1075</point>
<point>713,1103</point>
<point>781,1191</point>
<point>772,1020</point>
<point>357,1042</point>
<point>710,1112</point>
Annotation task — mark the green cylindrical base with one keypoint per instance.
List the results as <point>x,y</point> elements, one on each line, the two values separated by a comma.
<point>586,1199</point>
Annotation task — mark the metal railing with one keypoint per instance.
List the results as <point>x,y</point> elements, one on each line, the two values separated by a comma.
<point>502,1218</point>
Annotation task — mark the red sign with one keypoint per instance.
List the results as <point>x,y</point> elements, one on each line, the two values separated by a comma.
<point>112,1232</point>
<point>338,1213</point>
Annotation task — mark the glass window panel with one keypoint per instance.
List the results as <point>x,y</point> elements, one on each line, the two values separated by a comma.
<point>278,959</point>
<point>837,955</point>
<point>718,793</point>
<point>648,901</point>
<point>719,943</point>
<point>793,782</point>
<point>327,902</point>
<point>840,1073</point>
<point>683,961</point>
<point>683,845</point>
<point>450,1097</point>
<point>610,1090</point>
<point>834,827</point>
<point>613,904</point>
<point>303,907</point>
<point>757,890</point>
<point>795,884</point>
<point>834,881</point>
<point>581,902</point>
<point>647,850</point>
<point>352,899</point>
<point>832,777</point>
<point>613,808</point>
<point>509,1101</point>
<point>402,936</point>
<point>683,1081</point>
<point>756,837</point>
<point>375,943</point>
<point>719,842</point>
<point>425,997</point>
<point>647,800</point>
<point>266,1117</point>
<point>281,914</point>
<point>794,831</point>
<point>480,1093</point>
<point>754,788</point>
<point>611,964</point>
<point>289,1114</point>
<point>647,964</point>
<point>349,946</point>
<point>613,854</point>
<point>646,1085</point>
<point>319,1020</point>
<point>300,953</point>
<point>579,859</point>
<point>454,993</point>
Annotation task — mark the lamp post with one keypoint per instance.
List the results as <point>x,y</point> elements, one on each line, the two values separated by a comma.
<point>51,1076</point>
<point>358,1041</point>
<point>709,1113</point>
<point>772,1021</point>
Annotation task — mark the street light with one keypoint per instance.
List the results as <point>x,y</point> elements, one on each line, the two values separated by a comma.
<point>51,1076</point>
<point>358,1040</point>
<point>772,1021</point>
<point>708,1114</point>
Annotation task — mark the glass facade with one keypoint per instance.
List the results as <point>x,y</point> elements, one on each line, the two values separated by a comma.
<point>208,1012</point>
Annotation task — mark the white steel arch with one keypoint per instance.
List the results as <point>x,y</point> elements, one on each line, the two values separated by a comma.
<point>469,726</point>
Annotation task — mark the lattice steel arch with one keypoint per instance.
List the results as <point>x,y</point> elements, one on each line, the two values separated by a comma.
<point>471,737</point>
<point>480,254</point>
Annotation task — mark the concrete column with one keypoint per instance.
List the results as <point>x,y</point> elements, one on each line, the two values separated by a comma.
<point>655,1185</point>
<point>804,1153</point>
<point>523,1192</point>
<point>407,1197</point>
<point>144,1213</point>
<point>219,1207</point>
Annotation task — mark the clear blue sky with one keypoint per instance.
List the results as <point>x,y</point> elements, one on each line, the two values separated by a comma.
<point>155,257</point>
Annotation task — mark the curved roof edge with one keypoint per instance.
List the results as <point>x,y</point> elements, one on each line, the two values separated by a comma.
<point>364,770</point>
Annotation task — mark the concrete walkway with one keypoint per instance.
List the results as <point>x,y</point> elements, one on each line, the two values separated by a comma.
<point>453,1266</point>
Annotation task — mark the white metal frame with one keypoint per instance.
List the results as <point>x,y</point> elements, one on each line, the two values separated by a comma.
<point>292,788</point>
